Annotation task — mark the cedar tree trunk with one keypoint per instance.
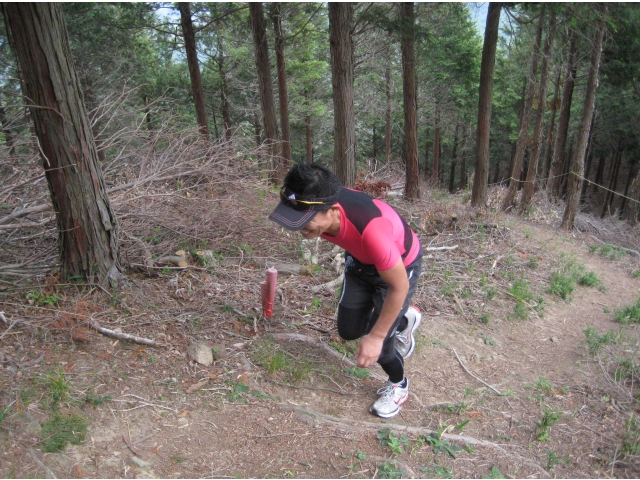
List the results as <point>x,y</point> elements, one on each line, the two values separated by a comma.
<point>342,75</point>
<point>523,133</point>
<point>485,93</point>
<point>409,89</point>
<point>554,182</point>
<point>194,69</point>
<point>266,92</point>
<point>88,241</point>
<point>532,170</point>
<point>574,186</point>
<point>283,95</point>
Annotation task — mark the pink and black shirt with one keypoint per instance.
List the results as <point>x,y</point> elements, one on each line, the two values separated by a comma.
<point>373,232</point>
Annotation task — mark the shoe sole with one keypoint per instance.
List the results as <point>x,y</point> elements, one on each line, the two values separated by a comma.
<point>413,340</point>
<point>392,414</point>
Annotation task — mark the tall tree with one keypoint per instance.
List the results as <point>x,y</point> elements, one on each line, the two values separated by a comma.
<point>266,92</point>
<point>532,169</point>
<point>437,147</point>
<point>523,133</point>
<point>412,183</point>
<point>88,238</point>
<point>342,75</point>
<point>194,68</point>
<point>551,128</point>
<point>283,95</point>
<point>557,160</point>
<point>577,163</point>
<point>481,179</point>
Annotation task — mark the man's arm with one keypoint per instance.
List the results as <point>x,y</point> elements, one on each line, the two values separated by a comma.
<point>370,346</point>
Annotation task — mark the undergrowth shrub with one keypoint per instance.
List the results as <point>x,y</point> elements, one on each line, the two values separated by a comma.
<point>61,430</point>
<point>630,314</point>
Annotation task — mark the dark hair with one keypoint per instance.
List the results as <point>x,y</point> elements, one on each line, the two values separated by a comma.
<point>312,181</point>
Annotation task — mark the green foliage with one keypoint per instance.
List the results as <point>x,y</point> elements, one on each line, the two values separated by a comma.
<point>388,439</point>
<point>636,273</point>
<point>525,299</point>
<point>612,252</point>
<point>60,430</point>
<point>441,445</point>
<point>563,281</point>
<point>596,341</point>
<point>631,440</point>
<point>40,298</point>
<point>630,314</point>
<point>4,412</point>
<point>494,473</point>
<point>239,391</point>
<point>562,285</point>
<point>437,471</point>
<point>58,387</point>
<point>543,385</point>
<point>94,401</point>
<point>390,470</point>
<point>274,360</point>
<point>554,459</point>
<point>549,418</point>
<point>360,373</point>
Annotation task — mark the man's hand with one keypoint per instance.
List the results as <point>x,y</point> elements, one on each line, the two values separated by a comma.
<point>369,350</point>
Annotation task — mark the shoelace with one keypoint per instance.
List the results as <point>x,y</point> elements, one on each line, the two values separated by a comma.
<point>386,391</point>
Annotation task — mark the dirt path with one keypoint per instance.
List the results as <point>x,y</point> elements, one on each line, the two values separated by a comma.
<point>277,408</point>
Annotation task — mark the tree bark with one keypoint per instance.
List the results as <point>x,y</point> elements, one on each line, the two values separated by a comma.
<point>308,136</point>
<point>409,89</point>
<point>224,100</point>
<point>387,115</point>
<point>523,133</point>
<point>485,91</point>
<point>342,76</point>
<point>272,134</point>
<point>283,95</point>
<point>6,130</point>
<point>454,161</point>
<point>577,165</point>
<point>626,192</point>
<point>554,182</point>
<point>634,207</point>
<point>550,129</point>
<point>613,183</point>
<point>463,161</point>
<point>589,156</point>
<point>194,68</point>
<point>599,174</point>
<point>435,169</point>
<point>88,238</point>
<point>532,170</point>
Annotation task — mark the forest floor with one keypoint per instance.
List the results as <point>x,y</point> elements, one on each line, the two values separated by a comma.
<point>508,380</point>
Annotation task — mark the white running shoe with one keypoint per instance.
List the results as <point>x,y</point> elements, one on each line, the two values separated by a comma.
<point>391,398</point>
<point>405,341</point>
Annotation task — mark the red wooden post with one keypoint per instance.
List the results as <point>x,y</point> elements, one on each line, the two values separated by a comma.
<point>268,290</point>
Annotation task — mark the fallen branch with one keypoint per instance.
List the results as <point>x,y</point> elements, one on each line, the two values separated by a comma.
<point>628,250</point>
<point>433,249</point>
<point>179,259</point>
<point>15,226</point>
<point>466,370</point>
<point>318,417</point>
<point>348,423</point>
<point>24,212</point>
<point>119,335</point>
<point>47,471</point>
<point>330,285</point>
<point>319,343</point>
